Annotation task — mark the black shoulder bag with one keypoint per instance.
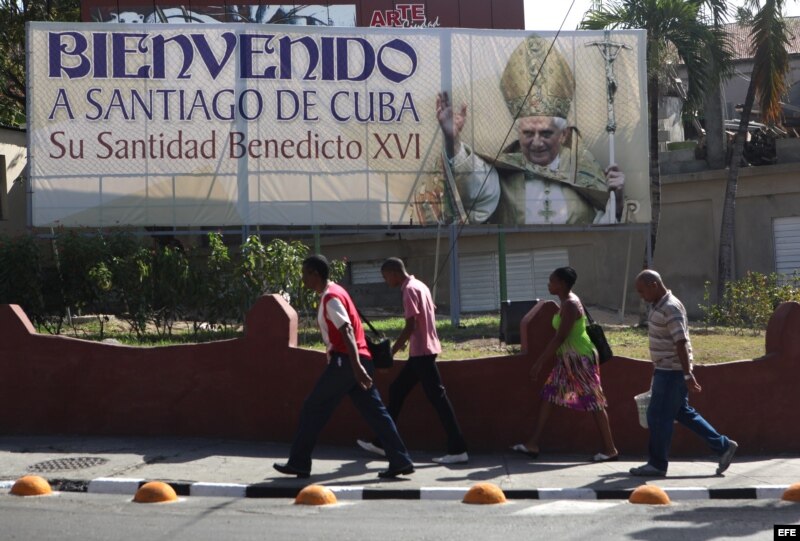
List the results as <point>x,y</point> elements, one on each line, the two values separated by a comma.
<point>598,337</point>
<point>380,348</point>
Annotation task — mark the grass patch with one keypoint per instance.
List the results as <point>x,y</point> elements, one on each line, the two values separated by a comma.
<point>115,329</point>
<point>476,337</point>
<point>709,345</point>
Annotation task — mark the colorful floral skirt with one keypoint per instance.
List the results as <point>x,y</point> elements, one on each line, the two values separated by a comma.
<point>575,383</point>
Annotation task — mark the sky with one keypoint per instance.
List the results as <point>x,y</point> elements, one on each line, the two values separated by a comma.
<point>549,14</point>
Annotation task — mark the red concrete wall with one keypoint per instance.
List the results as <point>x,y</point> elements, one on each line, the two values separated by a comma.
<point>253,388</point>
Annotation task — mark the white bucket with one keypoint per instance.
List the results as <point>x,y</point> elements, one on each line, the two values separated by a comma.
<point>642,401</point>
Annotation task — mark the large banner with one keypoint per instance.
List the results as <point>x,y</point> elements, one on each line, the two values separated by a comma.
<point>234,124</point>
<point>505,14</point>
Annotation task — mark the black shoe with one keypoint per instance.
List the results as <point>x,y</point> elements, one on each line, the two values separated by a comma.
<point>391,474</point>
<point>291,470</point>
<point>727,457</point>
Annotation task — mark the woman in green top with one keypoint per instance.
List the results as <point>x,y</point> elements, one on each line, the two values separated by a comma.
<point>575,380</point>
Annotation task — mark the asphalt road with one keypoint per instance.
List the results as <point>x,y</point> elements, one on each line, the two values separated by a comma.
<point>89,517</point>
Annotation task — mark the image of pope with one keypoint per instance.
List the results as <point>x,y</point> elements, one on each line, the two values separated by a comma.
<point>544,177</point>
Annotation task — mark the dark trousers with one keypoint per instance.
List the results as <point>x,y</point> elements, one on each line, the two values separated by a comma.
<point>423,369</point>
<point>335,382</point>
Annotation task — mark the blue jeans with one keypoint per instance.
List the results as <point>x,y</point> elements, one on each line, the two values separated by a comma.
<point>670,402</point>
<point>335,382</point>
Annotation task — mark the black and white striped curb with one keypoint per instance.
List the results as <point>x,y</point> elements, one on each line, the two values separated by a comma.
<point>127,486</point>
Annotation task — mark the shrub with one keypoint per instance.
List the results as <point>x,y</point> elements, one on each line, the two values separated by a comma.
<point>21,280</point>
<point>749,302</point>
<point>170,282</point>
<point>120,274</point>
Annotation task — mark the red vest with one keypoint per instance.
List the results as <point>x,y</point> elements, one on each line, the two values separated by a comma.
<point>337,340</point>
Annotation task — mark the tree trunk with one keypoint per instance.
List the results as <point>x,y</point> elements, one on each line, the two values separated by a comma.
<point>655,173</point>
<point>727,230</point>
<point>715,132</point>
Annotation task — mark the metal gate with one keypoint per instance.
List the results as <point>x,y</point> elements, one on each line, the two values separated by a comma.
<point>527,274</point>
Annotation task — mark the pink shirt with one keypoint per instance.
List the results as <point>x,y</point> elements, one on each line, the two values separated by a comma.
<point>417,303</point>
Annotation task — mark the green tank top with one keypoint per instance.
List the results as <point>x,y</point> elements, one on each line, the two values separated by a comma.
<point>577,339</point>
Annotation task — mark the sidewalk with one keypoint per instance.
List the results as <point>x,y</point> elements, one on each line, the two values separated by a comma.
<point>229,468</point>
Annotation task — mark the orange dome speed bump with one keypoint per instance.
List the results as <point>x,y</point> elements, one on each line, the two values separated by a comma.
<point>315,495</point>
<point>31,485</point>
<point>792,493</point>
<point>482,493</point>
<point>650,495</point>
<point>155,492</point>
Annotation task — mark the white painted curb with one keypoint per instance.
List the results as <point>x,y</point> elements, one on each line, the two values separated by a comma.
<point>443,493</point>
<point>219,490</point>
<point>686,493</point>
<point>114,485</point>
<point>347,493</point>
<point>770,491</point>
<point>567,494</point>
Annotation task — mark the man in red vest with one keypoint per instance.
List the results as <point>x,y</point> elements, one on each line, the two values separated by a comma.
<point>349,372</point>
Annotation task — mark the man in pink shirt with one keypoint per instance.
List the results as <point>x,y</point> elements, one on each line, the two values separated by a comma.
<point>420,333</point>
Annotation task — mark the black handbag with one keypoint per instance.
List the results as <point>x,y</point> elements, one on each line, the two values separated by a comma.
<point>380,348</point>
<point>598,337</point>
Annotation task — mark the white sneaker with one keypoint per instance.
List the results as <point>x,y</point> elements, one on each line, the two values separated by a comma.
<point>371,447</point>
<point>461,458</point>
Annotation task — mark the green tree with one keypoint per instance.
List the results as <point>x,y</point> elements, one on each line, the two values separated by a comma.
<point>769,42</point>
<point>13,16</point>
<point>219,302</point>
<point>170,281</point>
<point>673,26</point>
<point>85,274</point>
<point>132,275</point>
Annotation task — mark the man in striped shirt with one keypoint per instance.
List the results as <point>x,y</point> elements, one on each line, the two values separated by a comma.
<point>671,352</point>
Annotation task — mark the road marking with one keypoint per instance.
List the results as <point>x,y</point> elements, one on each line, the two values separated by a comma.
<point>566,507</point>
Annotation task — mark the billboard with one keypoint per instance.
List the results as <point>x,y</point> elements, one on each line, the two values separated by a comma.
<point>505,14</point>
<point>235,124</point>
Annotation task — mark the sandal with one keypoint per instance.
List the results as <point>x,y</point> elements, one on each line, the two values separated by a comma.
<point>521,448</point>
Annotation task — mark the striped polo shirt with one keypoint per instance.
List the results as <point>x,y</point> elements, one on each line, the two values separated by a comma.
<point>666,326</point>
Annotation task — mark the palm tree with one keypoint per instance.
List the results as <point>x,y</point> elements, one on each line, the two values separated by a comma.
<point>712,102</point>
<point>673,26</point>
<point>768,84</point>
